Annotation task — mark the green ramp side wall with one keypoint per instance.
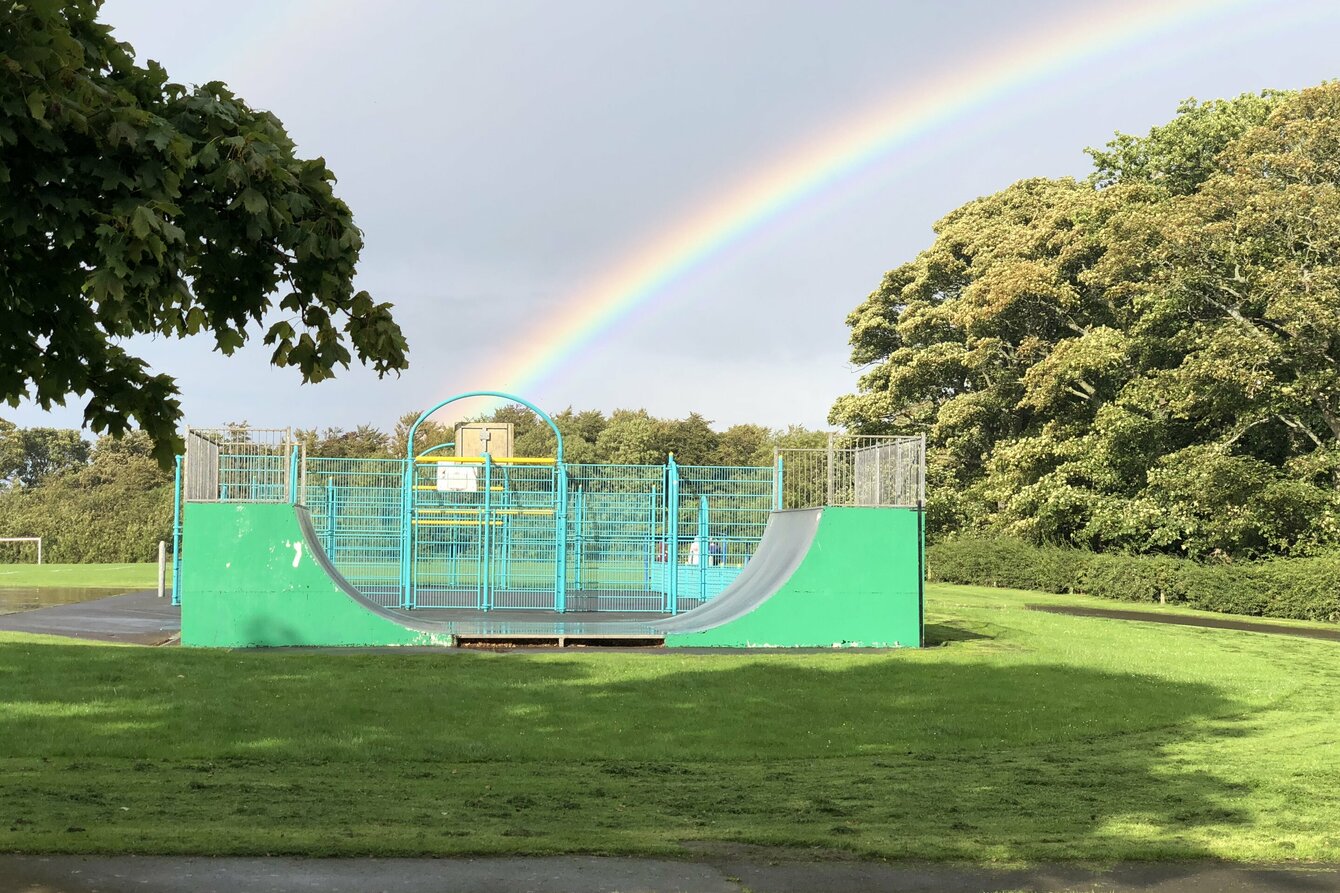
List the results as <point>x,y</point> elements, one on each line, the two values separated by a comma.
<point>859,586</point>
<point>251,579</point>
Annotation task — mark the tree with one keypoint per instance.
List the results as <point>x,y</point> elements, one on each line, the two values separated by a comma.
<point>430,434</point>
<point>132,205</point>
<point>116,507</point>
<point>29,455</point>
<point>364,442</point>
<point>1146,360</point>
<point>744,445</point>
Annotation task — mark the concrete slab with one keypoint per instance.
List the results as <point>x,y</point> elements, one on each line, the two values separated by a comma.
<point>139,618</point>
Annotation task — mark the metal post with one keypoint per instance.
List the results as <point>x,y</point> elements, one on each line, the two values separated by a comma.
<point>704,548</point>
<point>579,523</point>
<point>561,534</point>
<point>162,567</point>
<point>777,481</point>
<point>293,476</point>
<point>407,536</point>
<point>486,535</point>
<point>176,532</point>
<point>330,519</point>
<point>829,500</point>
<point>672,535</point>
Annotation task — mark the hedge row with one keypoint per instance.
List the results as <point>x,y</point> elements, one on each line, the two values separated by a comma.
<point>1294,588</point>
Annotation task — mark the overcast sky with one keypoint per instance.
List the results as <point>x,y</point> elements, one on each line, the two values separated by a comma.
<point>502,156</point>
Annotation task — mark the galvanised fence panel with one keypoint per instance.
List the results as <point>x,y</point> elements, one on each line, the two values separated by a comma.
<point>356,509</point>
<point>616,537</point>
<point>856,470</point>
<point>239,465</point>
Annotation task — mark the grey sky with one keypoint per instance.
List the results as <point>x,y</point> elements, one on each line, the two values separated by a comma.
<point>501,155</point>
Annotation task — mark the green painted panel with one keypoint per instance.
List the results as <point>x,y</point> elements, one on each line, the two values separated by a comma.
<point>858,586</point>
<point>249,579</point>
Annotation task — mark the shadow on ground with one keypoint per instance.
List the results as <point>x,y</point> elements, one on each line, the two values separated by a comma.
<point>188,751</point>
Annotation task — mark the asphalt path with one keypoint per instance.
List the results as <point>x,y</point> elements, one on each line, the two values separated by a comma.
<point>140,618</point>
<point>750,870</point>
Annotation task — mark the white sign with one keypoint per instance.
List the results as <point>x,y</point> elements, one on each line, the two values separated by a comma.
<point>457,478</point>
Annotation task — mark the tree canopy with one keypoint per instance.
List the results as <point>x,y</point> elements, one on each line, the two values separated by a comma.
<point>132,205</point>
<point>1146,360</point>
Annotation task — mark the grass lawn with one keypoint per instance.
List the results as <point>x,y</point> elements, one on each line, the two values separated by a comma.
<point>1024,736</point>
<point>111,576</point>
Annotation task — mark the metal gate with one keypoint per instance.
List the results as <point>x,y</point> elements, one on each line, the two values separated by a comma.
<point>486,533</point>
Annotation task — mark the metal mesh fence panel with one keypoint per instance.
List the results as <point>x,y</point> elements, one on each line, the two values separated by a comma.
<point>616,537</point>
<point>722,513</point>
<point>855,470</point>
<point>356,509</point>
<point>238,464</point>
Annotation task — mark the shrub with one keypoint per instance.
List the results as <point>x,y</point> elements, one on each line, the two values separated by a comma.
<point>1293,588</point>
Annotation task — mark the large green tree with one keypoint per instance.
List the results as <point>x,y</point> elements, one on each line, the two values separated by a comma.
<point>1144,360</point>
<point>133,205</point>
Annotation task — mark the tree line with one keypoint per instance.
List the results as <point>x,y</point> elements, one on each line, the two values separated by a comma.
<point>111,500</point>
<point>1146,360</point>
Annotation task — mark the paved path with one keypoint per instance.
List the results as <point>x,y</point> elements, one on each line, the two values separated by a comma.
<point>1306,632</point>
<point>141,618</point>
<point>592,874</point>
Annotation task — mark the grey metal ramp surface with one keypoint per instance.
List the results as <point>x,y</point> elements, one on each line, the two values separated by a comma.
<point>141,618</point>
<point>319,553</point>
<point>786,540</point>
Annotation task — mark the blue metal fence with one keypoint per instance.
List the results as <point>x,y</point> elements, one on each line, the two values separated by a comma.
<point>480,533</point>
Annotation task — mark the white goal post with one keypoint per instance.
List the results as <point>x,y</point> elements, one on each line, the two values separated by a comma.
<point>25,539</point>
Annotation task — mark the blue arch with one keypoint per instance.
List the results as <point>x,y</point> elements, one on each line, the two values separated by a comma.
<point>423,416</point>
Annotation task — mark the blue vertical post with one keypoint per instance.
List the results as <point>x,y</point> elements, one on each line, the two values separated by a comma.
<point>330,519</point>
<point>293,476</point>
<point>561,532</point>
<point>578,532</point>
<point>704,548</point>
<point>504,503</point>
<point>672,534</point>
<point>486,536</point>
<point>407,537</point>
<point>777,484</point>
<point>649,548</point>
<point>176,534</point>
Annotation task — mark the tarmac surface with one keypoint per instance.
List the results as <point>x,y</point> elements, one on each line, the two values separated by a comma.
<point>1277,629</point>
<point>734,870</point>
<point>139,618</point>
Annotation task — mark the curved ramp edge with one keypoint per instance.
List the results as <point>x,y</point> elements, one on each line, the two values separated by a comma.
<point>786,539</point>
<point>858,585</point>
<point>254,578</point>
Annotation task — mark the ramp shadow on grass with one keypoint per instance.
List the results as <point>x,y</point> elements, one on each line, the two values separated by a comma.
<point>273,752</point>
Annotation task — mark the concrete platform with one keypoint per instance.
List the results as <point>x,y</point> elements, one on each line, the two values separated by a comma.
<point>138,618</point>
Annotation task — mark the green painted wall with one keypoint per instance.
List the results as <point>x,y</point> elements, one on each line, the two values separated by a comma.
<point>859,586</point>
<point>249,579</point>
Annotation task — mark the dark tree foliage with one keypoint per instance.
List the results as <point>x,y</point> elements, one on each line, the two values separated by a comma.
<point>132,205</point>
<point>1147,360</point>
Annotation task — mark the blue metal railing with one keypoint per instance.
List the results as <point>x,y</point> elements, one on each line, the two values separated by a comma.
<point>497,534</point>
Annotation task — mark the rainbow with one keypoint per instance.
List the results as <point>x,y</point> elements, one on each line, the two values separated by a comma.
<point>647,275</point>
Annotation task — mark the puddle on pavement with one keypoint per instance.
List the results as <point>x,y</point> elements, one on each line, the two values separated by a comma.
<point>27,598</point>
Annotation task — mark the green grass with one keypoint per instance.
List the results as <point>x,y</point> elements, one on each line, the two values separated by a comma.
<point>1024,736</point>
<point>110,576</point>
